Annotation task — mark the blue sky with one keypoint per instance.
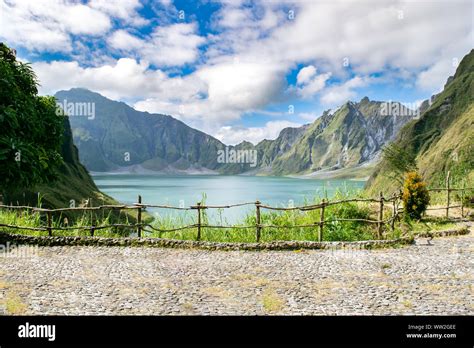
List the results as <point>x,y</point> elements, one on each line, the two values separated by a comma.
<point>241,70</point>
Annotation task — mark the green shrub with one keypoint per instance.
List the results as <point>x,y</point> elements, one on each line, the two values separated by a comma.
<point>415,195</point>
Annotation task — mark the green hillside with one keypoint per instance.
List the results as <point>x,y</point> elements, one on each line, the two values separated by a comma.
<point>345,139</point>
<point>37,154</point>
<point>119,138</point>
<point>73,182</point>
<point>443,138</point>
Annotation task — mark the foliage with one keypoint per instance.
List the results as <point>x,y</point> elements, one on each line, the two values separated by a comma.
<point>398,160</point>
<point>31,137</point>
<point>415,195</point>
<point>333,230</point>
<point>77,224</point>
<point>442,138</point>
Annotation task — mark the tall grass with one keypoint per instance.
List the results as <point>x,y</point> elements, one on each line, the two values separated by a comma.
<point>36,219</point>
<point>343,231</point>
<point>285,220</point>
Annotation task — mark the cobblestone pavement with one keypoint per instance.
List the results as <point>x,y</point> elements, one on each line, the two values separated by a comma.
<point>418,279</point>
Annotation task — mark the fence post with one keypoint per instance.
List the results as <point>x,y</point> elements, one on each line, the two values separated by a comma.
<point>380,223</point>
<point>139,217</point>
<point>448,194</point>
<point>462,201</point>
<point>394,212</point>
<point>257,221</point>
<point>199,221</point>
<point>93,223</point>
<point>321,221</point>
<point>50,231</point>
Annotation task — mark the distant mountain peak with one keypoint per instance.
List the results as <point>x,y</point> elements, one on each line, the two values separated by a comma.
<point>341,138</point>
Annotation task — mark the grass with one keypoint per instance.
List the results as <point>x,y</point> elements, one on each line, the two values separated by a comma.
<point>36,219</point>
<point>14,304</point>
<point>217,292</point>
<point>407,303</point>
<point>333,231</point>
<point>284,220</point>
<point>271,301</point>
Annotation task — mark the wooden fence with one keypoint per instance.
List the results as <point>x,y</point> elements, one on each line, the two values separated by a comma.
<point>140,226</point>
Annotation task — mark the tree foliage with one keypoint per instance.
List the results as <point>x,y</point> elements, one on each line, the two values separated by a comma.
<point>31,131</point>
<point>415,195</point>
<point>398,160</point>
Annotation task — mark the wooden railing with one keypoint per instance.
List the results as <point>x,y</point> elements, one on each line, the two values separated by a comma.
<point>140,226</point>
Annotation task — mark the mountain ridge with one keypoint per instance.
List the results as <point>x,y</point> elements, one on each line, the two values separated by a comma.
<point>442,139</point>
<point>120,138</point>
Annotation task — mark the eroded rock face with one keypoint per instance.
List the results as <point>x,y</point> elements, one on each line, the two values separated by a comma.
<point>347,137</point>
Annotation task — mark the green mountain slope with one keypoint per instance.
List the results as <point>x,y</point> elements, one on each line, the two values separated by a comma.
<point>74,183</point>
<point>120,138</point>
<point>443,138</point>
<point>36,147</point>
<point>351,136</point>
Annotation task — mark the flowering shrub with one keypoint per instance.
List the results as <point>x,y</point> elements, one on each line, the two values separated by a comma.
<point>415,195</point>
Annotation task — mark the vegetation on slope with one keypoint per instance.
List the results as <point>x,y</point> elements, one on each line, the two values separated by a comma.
<point>31,134</point>
<point>37,153</point>
<point>442,139</point>
<point>119,136</point>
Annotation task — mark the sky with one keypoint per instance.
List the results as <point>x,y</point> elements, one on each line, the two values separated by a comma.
<point>241,70</point>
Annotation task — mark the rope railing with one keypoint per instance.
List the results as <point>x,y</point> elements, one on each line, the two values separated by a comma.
<point>22,207</point>
<point>451,189</point>
<point>140,226</point>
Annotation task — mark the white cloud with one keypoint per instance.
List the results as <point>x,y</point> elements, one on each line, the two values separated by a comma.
<point>233,17</point>
<point>242,86</point>
<point>244,63</point>
<point>125,79</point>
<point>123,40</point>
<point>175,44</point>
<point>371,36</point>
<point>231,135</point>
<point>213,94</point>
<point>309,83</point>
<point>217,94</point>
<point>435,76</point>
<point>306,74</point>
<point>338,94</point>
<point>47,25</point>
<point>171,45</point>
<point>307,116</point>
<point>125,10</point>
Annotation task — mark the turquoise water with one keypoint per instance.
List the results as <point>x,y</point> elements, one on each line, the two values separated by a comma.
<point>219,190</point>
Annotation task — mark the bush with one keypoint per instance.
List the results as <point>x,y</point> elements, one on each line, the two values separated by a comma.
<point>31,132</point>
<point>399,160</point>
<point>415,195</point>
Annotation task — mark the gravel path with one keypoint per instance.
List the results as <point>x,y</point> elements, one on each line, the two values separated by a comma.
<point>419,279</point>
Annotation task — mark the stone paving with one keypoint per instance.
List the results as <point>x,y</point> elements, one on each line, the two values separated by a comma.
<point>418,279</point>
